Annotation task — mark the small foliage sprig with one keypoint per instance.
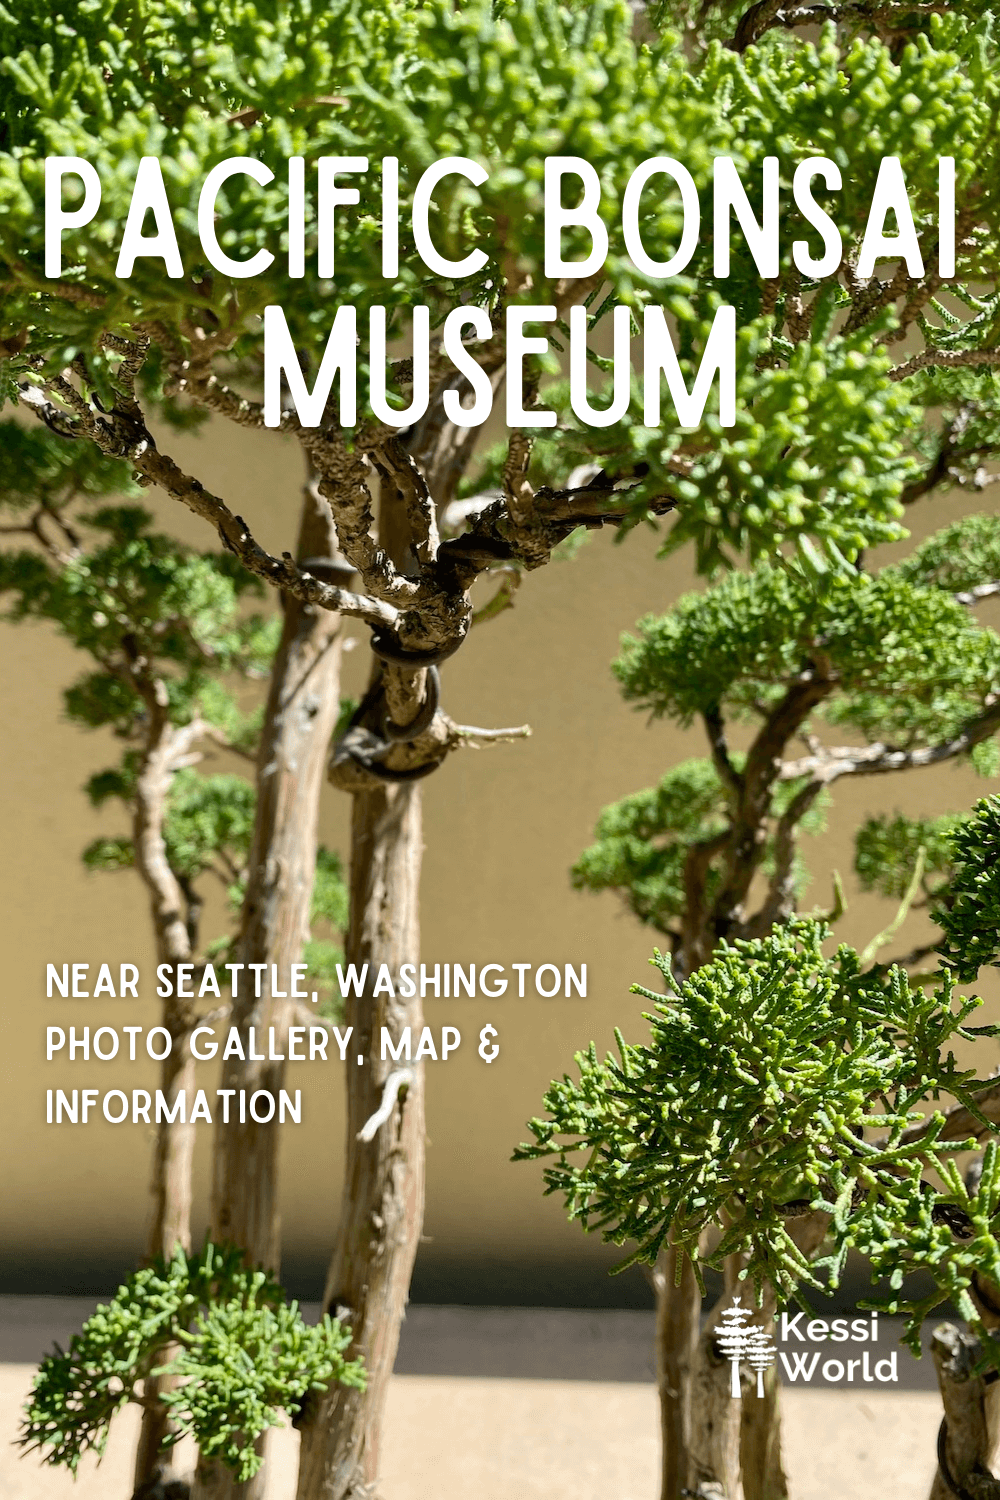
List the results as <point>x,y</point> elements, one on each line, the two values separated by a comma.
<point>241,1350</point>
<point>971,923</point>
<point>778,1081</point>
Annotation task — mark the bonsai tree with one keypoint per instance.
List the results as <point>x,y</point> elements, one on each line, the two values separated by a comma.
<point>818,460</point>
<point>167,638</point>
<point>197,1320</point>
<point>713,852</point>
<point>778,1082</point>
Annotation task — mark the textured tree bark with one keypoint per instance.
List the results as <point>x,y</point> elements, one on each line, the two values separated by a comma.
<point>714,1455</point>
<point>678,1315</point>
<point>170,1225</point>
<point>969,1436</point>
<point>301,713</point>
<point>383,1194</point>
<point>761,1469</point>
<point>761,1464</point>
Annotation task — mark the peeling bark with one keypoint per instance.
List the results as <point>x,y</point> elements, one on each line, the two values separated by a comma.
<point>302,708</point>
<point>170,1224</point>
<point>301,712</point>
<point>383,1194</point>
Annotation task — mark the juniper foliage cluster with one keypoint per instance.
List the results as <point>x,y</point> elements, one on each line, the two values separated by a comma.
<point>895,656</point>
<point>241,1351</point>
<point>971,920</point>
<point>778,1081</point>
<point>829,431</point>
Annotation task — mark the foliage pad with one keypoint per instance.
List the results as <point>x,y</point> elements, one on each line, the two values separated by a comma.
<point>245,1354</point>
<point>777,1081</point>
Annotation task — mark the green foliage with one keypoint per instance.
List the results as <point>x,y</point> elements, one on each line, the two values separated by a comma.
<point>330,896</point>
<point>971,923</point>
<point>138,604</point>
<point>208,817</point>
<point>245,1355</point>
<point>959,557</point>
<point>824,441</point>
<point>776,1079</point>
<point>886,850</point>
<point>330,909</point>
<point>208,822</point>
<point>906,662</point>
<point>641,842</point>
<point>40,468</point>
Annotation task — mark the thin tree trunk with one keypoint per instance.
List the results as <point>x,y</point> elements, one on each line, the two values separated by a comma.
<point>383,1195</point>
<point>714,1457</point>
<point>302,708</point>
<point>170,1226</point>
<point>968,1435</point>
<point>761,1463</point>
<point>299,720</point>
<point>678,1316</point>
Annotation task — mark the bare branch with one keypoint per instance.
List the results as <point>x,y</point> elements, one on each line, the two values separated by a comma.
<point>947,359</point>
<point>715,729</point>
<point>981,591</point>
<point>468,737</point>
<point>909,895</point>
<point>780,902</point>
<point>875,760</point>
<point>121,436</point>
<point>503,599</point>
<point>396,1080</point>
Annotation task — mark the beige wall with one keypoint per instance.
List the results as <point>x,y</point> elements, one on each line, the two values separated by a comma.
<point>502,828</point>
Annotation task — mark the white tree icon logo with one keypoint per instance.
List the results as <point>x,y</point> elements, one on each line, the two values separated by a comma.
<point>739,1342</point>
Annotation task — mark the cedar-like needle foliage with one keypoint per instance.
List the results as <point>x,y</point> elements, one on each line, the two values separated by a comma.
<point>778,1081</point>
<point>971,922</point>
<point>242,1350</point>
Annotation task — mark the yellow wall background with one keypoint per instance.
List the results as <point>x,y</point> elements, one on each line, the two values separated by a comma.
<point>502,827</point>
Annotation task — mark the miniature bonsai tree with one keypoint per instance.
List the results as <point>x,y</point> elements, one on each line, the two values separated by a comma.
<point>168,638</point>
<point>778,1082</point>
<point>238,1353</point>
<point>819,458</point>
<point>713,852</point>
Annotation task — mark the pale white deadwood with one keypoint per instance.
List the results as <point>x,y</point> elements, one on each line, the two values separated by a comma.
<point>390,1091</point>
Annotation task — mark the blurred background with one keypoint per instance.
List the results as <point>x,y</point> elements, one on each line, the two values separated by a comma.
<point>502,827</point>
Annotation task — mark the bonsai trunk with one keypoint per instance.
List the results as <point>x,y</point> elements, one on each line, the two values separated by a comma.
<point>678,1314</point>
<point>173,922</point>
<point>383,1195</point>
<point>302,708</point>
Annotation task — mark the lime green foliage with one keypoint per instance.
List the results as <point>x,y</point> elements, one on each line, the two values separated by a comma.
<point>641,842</point>
<point>894,657</point>
<point>971,923</point>
<point>886,850</point>
<point>776,1080</point>
<point>829,435</point>
<point>138,597</point>
<point>245,1356</point>
<point>208,823</point>
<point>959,558</point>
<point>905,661</point>
<point>330,900</point>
